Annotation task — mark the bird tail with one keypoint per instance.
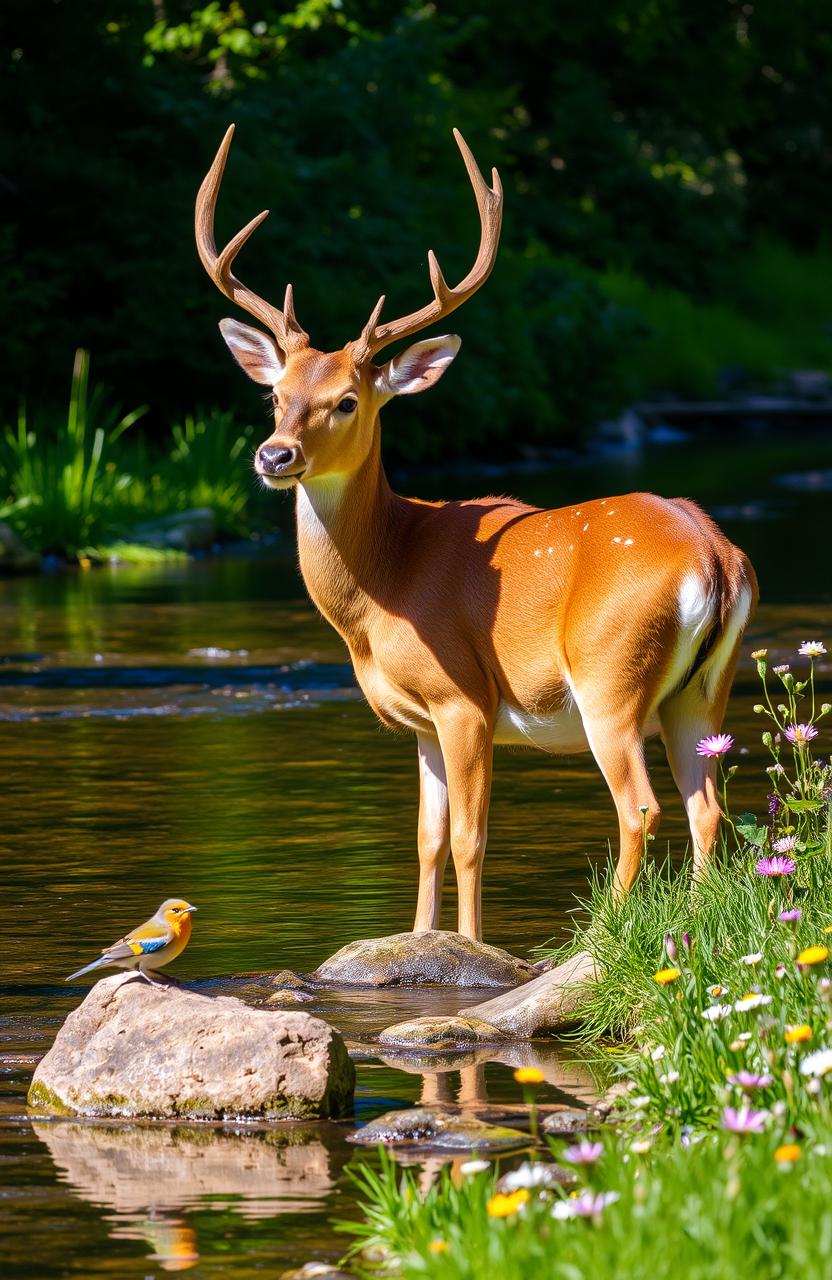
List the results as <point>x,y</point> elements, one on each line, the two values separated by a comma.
<point>96,964</point>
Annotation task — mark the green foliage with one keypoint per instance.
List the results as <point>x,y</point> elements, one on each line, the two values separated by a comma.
<point>79,490</point>
<point>642,148</point>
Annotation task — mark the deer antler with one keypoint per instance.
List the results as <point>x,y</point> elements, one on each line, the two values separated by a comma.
<point>283,324</point>
<point>445,300</point>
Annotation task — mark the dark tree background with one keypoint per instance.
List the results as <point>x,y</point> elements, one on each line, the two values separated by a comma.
<point>661,138</point>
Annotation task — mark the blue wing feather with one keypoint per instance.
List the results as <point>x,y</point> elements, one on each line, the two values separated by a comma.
<point>152,944</point>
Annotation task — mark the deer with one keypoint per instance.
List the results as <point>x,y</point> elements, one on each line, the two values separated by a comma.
<point>488,622</point>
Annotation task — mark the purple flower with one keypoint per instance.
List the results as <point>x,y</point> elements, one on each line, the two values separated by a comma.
<point>775,804</point>
<point>743,1120</point>
<point>670,948</point>
<point>800,734</point>
<point>786,844</point>
<point>750,1080</point>
<point>686,939</point>
<point>716,745</point>
<point>583,1152</point>
<point>586,1205</point>
<point>791,916</point>
<point>775,866</point>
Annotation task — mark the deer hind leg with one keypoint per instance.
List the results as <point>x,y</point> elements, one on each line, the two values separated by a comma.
<point>434,832</point>
<point>690,715</point>
<point>619,752</point>
<point>466,737</point>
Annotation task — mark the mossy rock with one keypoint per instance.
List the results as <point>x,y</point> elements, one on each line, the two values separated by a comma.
<point>429,1127</point>
<point>430,958</point>
<point>442,1033</point>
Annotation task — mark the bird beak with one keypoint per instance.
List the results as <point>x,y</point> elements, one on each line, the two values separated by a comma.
<point>190,909</point>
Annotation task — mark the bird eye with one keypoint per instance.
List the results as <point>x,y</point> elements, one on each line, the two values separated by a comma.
<point>347,405</point>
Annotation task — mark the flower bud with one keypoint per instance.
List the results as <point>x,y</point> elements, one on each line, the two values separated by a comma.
<point>767,739</point>
<point>670,948</point>
<point>758,708</point>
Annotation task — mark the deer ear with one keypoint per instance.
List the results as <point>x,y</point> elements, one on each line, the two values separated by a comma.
<point>417,368</point>
<point>254,351</point>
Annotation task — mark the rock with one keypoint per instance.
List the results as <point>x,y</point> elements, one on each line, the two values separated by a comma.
<point>432,1128</point>
<point>194,530</point>
<point>15,556</point>
<point>548,1003</point>
<point>288,980</point>
<point>564,1122</point>
<point>316,1271</point>
<point>289,998</point>
<point>416,959</point>
<point>440,1033</point>
<point>130,1050</point>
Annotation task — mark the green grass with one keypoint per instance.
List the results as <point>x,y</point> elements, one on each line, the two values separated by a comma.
<point>775,314</point>
<point>80,490</point>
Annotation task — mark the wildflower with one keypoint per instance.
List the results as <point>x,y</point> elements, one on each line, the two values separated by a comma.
<point>782,670</point>
<point>800,734</point>
<point>586,1205</point>
<point>759,654</point>
<point>642,1101</point>
<point>669,1077</point>
<point>670,947</point>
<point>583,1152</point>
<point>775,804</point>
<point>474,1166</point>
<point>687,940</point>
<point>791,916</point>
<point>788,1153</point>
<point>780,969</point>
<point>503,1206</point>
<point>828,928</point>
<point>528,1176</point>
<point>797,1034</point>
<point>658,1053</point>
<point>714,746</point>
<point>529,1075</point>
<point>776,865</point>
<point>811,649</point>
<point>641,1146</point>
<point>744,1120</point>
<point>786,844</point>
<point>750,1080</point>
<point>438,1246</point>
<point>751,1000</point>
<point>817,1064</point>
<point>745,1036</point>
<point>717,1012</point>
<point>717,991</point>
<point>664,976</point>
<point>813,955</point>
<point>775,768</point>
<point>753,957</point>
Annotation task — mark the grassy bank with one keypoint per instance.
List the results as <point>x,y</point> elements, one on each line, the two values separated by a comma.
<point>81,491</point>
<point>717,1161</point>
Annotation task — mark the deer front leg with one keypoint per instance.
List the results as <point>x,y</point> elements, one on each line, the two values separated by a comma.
<point>466,739</point>
<point>434,831</point>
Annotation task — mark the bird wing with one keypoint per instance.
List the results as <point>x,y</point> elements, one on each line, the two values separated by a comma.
<point>139,942</point>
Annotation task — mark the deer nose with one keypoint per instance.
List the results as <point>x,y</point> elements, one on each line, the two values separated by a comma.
<point>273,458</point>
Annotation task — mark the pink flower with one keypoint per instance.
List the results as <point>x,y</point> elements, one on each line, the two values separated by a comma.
<point>791,916</point>
<point>786,844</point>
<point>750,1080</point>
<point>800,734</point>
<point>778,865</point>
<point>743,1120</point>
<point>716,745</point>
<point>587,1205</point>
<point>583,1152</point>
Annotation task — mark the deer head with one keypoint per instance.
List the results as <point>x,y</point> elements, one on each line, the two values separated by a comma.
<point>326,403</point>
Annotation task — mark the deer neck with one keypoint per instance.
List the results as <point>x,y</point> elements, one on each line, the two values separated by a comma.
<point>346,527</point>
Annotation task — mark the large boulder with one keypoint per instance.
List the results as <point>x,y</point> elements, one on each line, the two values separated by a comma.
<point>131,1050</point>
<point>548,1003</point>
<point>417,959</point>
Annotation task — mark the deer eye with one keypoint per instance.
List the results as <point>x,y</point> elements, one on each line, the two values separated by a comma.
<point>347,405</point>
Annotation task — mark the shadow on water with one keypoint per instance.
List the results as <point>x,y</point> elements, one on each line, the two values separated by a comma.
<point>196,731</point>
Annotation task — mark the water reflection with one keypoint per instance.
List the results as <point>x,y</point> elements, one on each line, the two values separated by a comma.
<point>152,1180</point>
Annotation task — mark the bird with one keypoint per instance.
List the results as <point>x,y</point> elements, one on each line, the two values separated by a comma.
<point>155,943</point>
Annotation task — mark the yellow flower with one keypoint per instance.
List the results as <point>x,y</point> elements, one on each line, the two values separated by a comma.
<point>666,975</point>
<point>813,955</point>
<point>796,1035</point>
<point>529,1075</point>
<point>788,1153</point>
<point>438,1246</point>
<point>501,1206</point>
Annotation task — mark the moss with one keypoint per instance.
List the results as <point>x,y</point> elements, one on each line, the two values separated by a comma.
<point>43,1098</point>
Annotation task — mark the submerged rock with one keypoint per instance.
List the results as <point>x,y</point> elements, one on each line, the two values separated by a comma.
<point>440,1033</point>
<point>193,530</point>
<point>130,1050</point>
<point>548,1003</point>
<point>564,1122</point>
<point>425,1126</point>
<point>15,556</point>
<point>416,959</point>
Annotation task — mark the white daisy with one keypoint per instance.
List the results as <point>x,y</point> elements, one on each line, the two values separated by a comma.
<point>818,1063</point>
<point>717,1011</point>
<point>751,1001</point>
